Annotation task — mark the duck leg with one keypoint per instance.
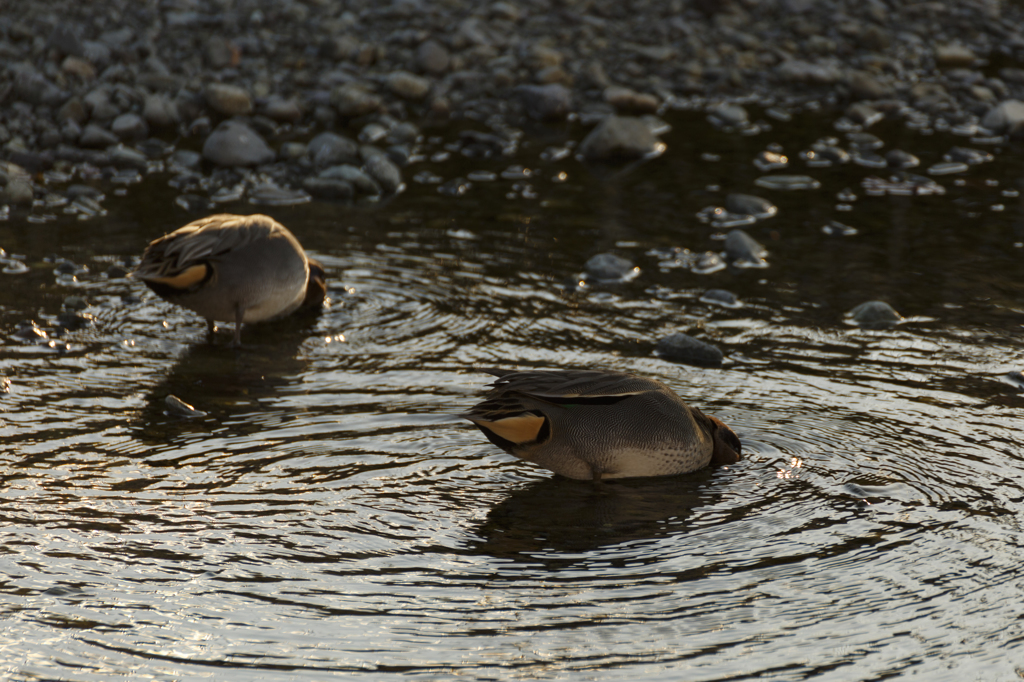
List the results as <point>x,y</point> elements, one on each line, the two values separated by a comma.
<point>237,342</point>
<point>211,329</point>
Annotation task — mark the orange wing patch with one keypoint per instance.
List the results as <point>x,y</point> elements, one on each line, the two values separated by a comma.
<point>184,279</point>
<point>520,429</point>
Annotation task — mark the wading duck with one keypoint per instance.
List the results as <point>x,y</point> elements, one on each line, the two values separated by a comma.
<point>233,268</point>
<point>594,425</point>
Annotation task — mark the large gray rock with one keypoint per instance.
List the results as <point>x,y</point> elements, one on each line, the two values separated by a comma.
<point>618,138</point>
<point>233,143</point>
<point>380,168</point>
<point>331,149</point>
<point>875,315</point>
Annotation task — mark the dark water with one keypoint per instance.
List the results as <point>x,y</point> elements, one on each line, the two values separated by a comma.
<point>328,516</point>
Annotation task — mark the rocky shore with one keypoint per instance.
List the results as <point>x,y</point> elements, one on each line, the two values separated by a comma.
<point>287,101</point>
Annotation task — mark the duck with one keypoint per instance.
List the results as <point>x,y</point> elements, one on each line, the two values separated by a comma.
<point>233,268</point>
<point>597,425</point>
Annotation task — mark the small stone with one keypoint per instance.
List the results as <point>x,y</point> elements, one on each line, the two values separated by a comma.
<point>407,85</point>
<point>798,71</point>
<point>432,57</point>
<point>380,168</point>
<point>292,151</point>
<point>787,182</point>
<point>219,52</point>
<point>863,85</point>
<point>77,66</point>
<point>628,101</point>
<point>954,56</point>
<point>160,111</point>
<point>362,182</point>
<point>743,250</point>
<point>875,315</point>
<point>619,138</point>
<point>721,297</point>
<point>353,100</point>
<point>551,102</point>
<point>897,158</point>
<point>176,407</point>
<point>229,100</point>
<point>748,204</point>
<point>95,136</point>
<point>282,110</point>
<point>607,267</point>
<point>685,349</point>
<point>731,115</point>
<point>73,110</point>
<point>1005,118</point>
<point>235,144</point>
<point>863,114</point>
<point>130,126</point>
<point>329,188</point>
<point>331,149</point>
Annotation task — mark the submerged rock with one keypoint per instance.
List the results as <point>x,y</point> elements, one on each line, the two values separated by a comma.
<point>749,204</point>
<point>744,251</point>
<point>608,267</point>
<point>875,315</point>
<point>688,350</point>
<point>618,138</point>
<point>721,297</point>
<point>1006,117</point>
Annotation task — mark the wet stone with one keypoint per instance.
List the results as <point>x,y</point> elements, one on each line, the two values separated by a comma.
<point>707,263</point>
<point>432,57</point>
<point>96,136</point>
<point>266,194</point>
<point>329,188</point>
<point>353,100</point>
<point>619,138</point>
<point>748,204</point>
<point>721,297</point>
<point>331,149</point>
<point>787,182</point>
<point>685,349</point>
<point>130,127</point>
<point>235,144</point>
<point>954,56</point>
<point>407,85</point>
<point>176,407</point>
<point>1005,118</point>
<point>160,111</point>
<point>947,168</point>
<point>229,100</point>
<point>863,114</point>
<point>362,182</point>
<point>868,159</point>
<point>607,267</point>
<point>971,157</point>
<point>767,161</point>
<point>744,251</point>
<point>386,173</point>
<point>628,101</point>
<point>728,115</point>
<point>897,158</point>
<point>282,110</point>
<point>551,102</point>
<point>875,315</point>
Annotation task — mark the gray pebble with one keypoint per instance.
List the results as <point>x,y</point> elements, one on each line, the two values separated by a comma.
<point>282,110</point>
<point>95,136</point>
<point>130,127</point>
<point>728,115</point>
<point>619,138</point>
<point>627,101</point>
<point>176,407</point>
<point>551,102</point>
<point>386,173</point>
<point>353,100</point>
<point>99,105</point>
<point>292,151</point>
<point>748,204</point>
<point>229,100</point>
<point>235,144</point>
<point>608,267</point>
<point>362,182</point>
<point>721,297</point>
<point>432,57</point>
<point>743,250</point>
<point>875,315</point>
<point>329,188</point>
<point>408,85</point>
<point>331,149</point>
<point>73,110</point>
<point>186,159</point>
<point>688,350</point>
<point>897,158</point>
<point>125,157</point>
<point>160,111</point>
<point>1005,118</point>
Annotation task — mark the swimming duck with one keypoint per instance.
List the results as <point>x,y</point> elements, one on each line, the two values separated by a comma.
<point>233,268</point>
<point>598,425</point>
